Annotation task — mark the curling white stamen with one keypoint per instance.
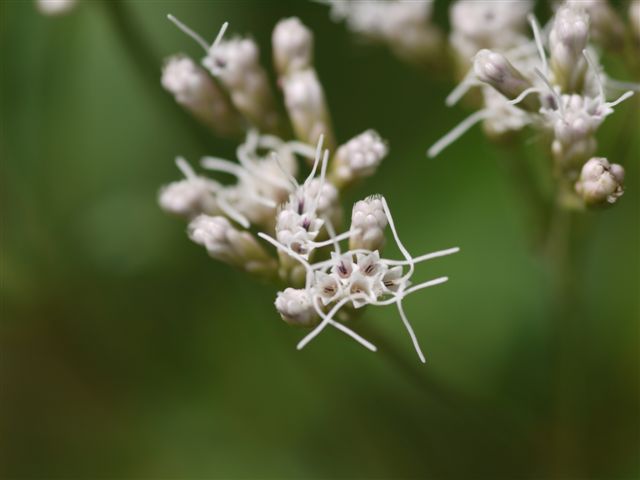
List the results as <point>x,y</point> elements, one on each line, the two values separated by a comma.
<point>538,40</point>
<point>457,132</point>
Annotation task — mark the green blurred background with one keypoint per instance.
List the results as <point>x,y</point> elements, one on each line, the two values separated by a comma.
<point>128,353</point>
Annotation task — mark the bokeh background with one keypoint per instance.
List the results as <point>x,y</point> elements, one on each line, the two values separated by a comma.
<point>127,353</point>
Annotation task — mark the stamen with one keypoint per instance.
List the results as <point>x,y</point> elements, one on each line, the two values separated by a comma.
<point>316,161</point>
<point>457,132</point>
<point>293,255</point>
<point>424,285</point>
<point>620,99</point>
<point>404,251</point>
<point>523,95</point>
<point>221,165</point>
<point>617,84</point>
<point>185,168</point>
<point>461,89</point>
<point>332,234</point>
<point>232,212</point>
<point>407,325</point>
<point>190,32</point>
<point>422,258</point>
<point>338,238</point>
<point>538,40</point>
<point>551,89</point>
<point>596,73</point>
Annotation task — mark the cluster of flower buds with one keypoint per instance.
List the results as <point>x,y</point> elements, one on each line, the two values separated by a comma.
<point>236,247</point>
<point>600,182</point>
<point>563,96</point>
<point>195,90</point>
<point>352,279</point>
<point>303,94</point>
<point>299,219</point>
<point>478,24</point>
<point>607,28</point>
<point>404,25</point>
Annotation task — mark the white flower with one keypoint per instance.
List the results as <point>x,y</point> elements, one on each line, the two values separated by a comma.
<point>236,63</point>
<point>478,24</point>
<point>227,244</point>
<point>368,222</point>
<point>189,197</point>
<point>306,105</point>
<point>197,92</point>
<point>358,158</point>
<point>494,69</point>
<point>292,46</point>
<point>55,7</point>
<point>634,17</point>
<point>340,282</point>
<point>405,25</point>
<point>567,40</point>
<point>600,182</point>
<point>294,306</point>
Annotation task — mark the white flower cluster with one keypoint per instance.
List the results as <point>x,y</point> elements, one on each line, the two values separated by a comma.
<point>352,279</point>
<point>298,218</point>
<point>563,96</point>
<point>404,25</point>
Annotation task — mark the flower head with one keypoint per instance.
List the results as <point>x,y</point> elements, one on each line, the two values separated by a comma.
<point>600,182</point>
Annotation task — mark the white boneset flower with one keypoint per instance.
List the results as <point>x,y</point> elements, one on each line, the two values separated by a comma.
<point>600,182</point>
<point>340,282</point>
<point>292,46</point>
<point>606,26</point>
<point>307,107</point>
<point>494,69</point>
<point>368,222</point>
<point>294,306</point>
<point>55,7</point>
<point>197,92</point>
<point>236,64</point>
<point>263,181</point>
<point>478,24</point>
<point>227,244</point>
<point>404,25</point>
<point>358,158</point>
<point>189,197</point>
<point>567,40</point>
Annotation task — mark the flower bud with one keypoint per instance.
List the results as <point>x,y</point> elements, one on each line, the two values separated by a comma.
<point>196,91</point>
<point>567,39</point>
<point>494,69</point>
<point>368,222</point>
<point>295,308</point>
<point>235,247</point>
<point>188,198</point>
<point>307,108</point>
<point>292,46</point>
<point>236,63</point>
<point>600,182</point>
<point>358,158</point>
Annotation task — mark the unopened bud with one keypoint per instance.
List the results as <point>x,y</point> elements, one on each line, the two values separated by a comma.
<point>634,18</point>
<point>188,198</point>
<point>292,46</point>
<point>55,7</point>
<point>368,222</point>
<point>494,69</point>
<point>235,247</point>
<point>567,39</point>
<point>600,182</point>
<point>307,108</point>
<point>196,91</point>
<point>358,158</point>
<point>295,307</point>
<point>236,63</point>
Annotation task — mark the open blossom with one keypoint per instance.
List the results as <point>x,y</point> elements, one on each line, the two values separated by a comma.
<point>563,97</point>
<point>350,280</point>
